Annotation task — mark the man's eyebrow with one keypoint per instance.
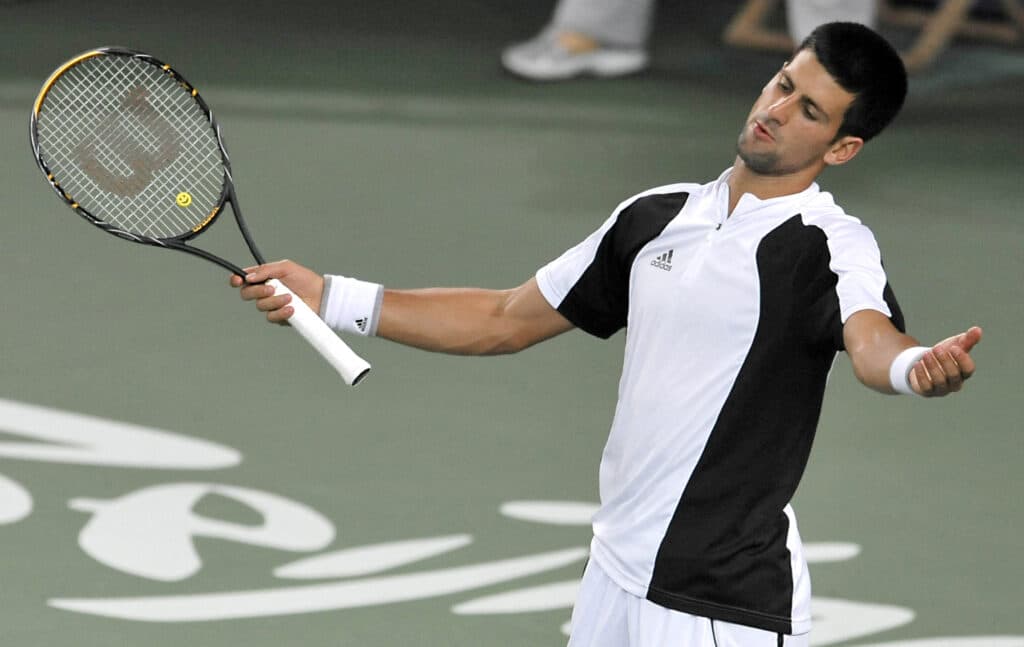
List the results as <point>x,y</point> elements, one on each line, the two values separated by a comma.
<point>804,99</point>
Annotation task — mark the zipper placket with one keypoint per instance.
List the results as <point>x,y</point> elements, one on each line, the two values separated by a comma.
<point>705,246</point>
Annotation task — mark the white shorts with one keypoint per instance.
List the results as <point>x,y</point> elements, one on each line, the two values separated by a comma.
<point>607,616</point>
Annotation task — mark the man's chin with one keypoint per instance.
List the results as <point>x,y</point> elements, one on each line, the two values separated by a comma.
<point>761,164</point>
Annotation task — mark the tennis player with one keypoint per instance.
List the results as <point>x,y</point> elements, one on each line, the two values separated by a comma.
<point>737,295</point>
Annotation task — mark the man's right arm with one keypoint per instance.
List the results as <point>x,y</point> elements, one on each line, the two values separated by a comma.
<point>470,321</point>
<point>463,321</point>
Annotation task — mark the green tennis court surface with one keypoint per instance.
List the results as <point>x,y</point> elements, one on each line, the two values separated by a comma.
<point>444,501</point>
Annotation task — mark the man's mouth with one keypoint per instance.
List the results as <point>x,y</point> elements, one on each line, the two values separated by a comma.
<point>761,132</point>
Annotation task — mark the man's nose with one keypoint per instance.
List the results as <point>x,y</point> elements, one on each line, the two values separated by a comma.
<point>780,109</point>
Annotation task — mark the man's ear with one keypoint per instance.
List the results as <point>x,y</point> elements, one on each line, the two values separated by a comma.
<point>843,150</point>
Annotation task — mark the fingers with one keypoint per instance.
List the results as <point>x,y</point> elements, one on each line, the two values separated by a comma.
<point>941,372</point>
<point>267,271</point>
<point>253,288</point>
<point>281,315</point>
<point>276,306</point>
<point>262,273</point>
<point>964,361</point>
<point>966,340</point>
<point>969,339</point>
<point>944,372</point>
<point>947,365</point>
<point>254,291</point>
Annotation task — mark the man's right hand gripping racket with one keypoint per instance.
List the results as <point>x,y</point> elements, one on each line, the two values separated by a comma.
<point>131,147</point>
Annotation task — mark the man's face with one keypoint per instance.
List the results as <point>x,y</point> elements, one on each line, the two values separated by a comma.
<point>793,124</point>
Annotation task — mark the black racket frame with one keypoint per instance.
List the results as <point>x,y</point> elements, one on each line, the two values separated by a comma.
<point>177,242</point>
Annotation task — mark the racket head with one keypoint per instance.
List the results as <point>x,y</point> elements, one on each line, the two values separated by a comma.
<point>130,145</point>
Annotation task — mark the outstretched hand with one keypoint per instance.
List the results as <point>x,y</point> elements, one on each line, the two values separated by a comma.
<point>944,368</point>
<point>303,281</point>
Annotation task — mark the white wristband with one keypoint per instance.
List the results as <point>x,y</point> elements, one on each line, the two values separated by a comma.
<point>899,370</point>
<point>350,305</point>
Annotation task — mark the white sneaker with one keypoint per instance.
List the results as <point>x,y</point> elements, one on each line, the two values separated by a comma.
<point>545,58</point>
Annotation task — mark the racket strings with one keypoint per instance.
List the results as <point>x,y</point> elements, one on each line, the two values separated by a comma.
<point>132,146</point>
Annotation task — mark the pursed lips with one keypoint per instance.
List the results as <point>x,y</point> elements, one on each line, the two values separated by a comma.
<point>762,132</point>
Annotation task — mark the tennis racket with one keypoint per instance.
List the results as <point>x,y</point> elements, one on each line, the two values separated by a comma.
<point>131,147</point>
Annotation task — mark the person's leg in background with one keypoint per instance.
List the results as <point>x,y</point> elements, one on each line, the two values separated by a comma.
<point>802,16</point>
<point>604,38</point>
<point>749,25</point>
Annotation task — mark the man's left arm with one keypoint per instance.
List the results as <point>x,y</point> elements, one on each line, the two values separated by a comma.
<point>892,362</point>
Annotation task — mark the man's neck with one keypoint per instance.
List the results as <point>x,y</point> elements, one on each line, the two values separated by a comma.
<point>744,180</point>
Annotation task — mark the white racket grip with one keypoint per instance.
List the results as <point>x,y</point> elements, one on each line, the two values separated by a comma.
<point>352,367</point>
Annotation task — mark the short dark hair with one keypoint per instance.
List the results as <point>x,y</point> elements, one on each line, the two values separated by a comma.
<point>865,65</point>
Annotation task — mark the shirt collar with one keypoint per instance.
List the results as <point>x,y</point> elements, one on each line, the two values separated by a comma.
<point>749,203</point>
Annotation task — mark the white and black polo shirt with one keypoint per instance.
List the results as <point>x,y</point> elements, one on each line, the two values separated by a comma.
<point>732,325</point>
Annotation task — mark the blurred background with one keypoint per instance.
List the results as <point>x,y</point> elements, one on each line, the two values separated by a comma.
<point>383,140</point>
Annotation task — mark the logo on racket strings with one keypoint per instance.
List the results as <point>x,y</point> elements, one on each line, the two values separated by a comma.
<point>118,142</point>
<point>184,199</point>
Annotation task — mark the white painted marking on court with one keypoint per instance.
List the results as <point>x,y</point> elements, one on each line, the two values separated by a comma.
<point>15,501</point>
<point>366,560</point>
<point>835,551</point>
<point>149,533</point>
<point>972,641</point>
<point>321,597</point>
<point>547,597</point>
<point>87,440</point>
<point>837,620</point>
<point>559,513</point>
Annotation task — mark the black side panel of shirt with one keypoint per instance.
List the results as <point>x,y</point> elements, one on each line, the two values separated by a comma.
<point>599,301</point>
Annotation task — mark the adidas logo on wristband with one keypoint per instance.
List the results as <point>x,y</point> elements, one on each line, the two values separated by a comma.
<point>350,305</point>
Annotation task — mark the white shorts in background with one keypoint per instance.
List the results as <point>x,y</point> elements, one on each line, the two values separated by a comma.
<point>607,616</point>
